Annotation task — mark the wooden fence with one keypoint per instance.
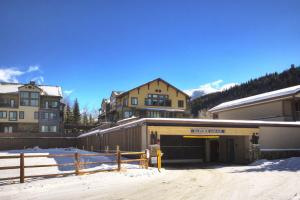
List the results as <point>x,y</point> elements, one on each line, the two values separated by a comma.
<point>143,161</point>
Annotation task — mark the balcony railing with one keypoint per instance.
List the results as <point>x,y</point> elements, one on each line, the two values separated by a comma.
<point>8,105</point>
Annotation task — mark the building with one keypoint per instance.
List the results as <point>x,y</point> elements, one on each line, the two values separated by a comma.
<point>154,99</point>
<point>200,140</point>
<point>279,105</point>
<point>30,108</point>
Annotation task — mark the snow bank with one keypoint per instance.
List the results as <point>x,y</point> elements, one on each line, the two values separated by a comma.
<point>289,164</point>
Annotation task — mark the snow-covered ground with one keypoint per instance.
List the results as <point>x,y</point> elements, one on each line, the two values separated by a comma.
<point>55,160</point>
<point>276,179</point>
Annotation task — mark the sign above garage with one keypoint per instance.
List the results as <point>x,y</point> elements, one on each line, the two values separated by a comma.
<point>184,130</point>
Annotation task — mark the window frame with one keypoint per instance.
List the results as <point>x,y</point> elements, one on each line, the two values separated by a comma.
<point>134,99</point>
<point>1,117</point>
<point>10,119</point>
<point>21,113</point>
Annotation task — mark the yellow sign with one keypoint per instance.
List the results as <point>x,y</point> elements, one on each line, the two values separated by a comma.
<point>201,136</point>
<point>215,131</point>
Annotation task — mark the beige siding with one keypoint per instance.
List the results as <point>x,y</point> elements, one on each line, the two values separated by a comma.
<point>279,138</point>
<point>272,111</point>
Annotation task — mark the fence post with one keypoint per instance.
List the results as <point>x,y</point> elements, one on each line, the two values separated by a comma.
<point>119,158</point>
<point>147,154</point>
<point>77,163</point>
<point>158,153</point>
<point>22,172</point>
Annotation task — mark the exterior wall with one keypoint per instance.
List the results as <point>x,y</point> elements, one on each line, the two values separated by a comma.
<point>128,139</point>
<point>143,92</point>
<point>272,111</point>
<point>279,138</point>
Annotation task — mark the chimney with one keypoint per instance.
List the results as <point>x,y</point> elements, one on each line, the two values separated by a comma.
<point>32,83</point>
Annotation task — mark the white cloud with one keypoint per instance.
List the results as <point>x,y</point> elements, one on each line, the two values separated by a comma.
<point>33,68</point>
<point>215,86</point>
<point>39,79</point>
<point>12,74</point>
<point>68,92</point>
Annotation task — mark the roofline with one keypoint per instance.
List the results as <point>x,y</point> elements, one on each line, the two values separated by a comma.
<point>195,122</point>
<point>157,79</point>
<point>278,98</point>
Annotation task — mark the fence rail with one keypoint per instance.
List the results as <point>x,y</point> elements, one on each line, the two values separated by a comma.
<point>143,162</point>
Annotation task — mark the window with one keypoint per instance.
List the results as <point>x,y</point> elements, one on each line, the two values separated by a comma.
<point>3,114</point>
<point>34,102</point>
<point>4,102</point>
<point>297,106</point>
<point>48,115</point>
<point>36,115</point>
<point>29,98</point>
<point>8,129</point>
<point>12,103</point>
<point>46,104</point>
<point>52,129</point>
<point>13,115</point>
<point>134,101</point>
<point>157,100</point>
<point>21,115</point>
<point>180,104</point>
<point>125,102</point>
<point>127,114</point>
<point>54,104</point>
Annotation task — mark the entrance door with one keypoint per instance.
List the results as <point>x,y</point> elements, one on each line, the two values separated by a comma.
<point>214,150</point>
<point>230,150</point>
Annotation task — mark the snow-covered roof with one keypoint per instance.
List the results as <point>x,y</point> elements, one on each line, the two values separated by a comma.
<point>47,90</point>
<point>184,121</point>
<point>260,98</point>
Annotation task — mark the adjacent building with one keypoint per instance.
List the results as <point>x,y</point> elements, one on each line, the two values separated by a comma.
<point>279,105</point>
<point>30,108</point>
<point>154,99</point>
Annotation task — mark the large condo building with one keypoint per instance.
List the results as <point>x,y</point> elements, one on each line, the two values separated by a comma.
<point>30,108</point>
<point>155,99</point>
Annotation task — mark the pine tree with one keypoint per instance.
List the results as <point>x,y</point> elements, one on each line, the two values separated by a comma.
<point>76,113</point>
<point>68,114</point>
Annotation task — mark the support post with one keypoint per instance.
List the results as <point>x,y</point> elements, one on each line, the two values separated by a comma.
<point>92,148</point>
<point>158,153</point>
<point>77,163</point>
<point>147,155</point>
<point>22,171</point>
<point>119,158</point>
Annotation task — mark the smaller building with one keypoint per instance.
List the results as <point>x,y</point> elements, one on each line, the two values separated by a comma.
<point>156,98</point>
<point>278,105</point>
<point>30,108</point>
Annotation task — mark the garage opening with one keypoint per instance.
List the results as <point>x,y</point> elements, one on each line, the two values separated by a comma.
<point>179,149</point>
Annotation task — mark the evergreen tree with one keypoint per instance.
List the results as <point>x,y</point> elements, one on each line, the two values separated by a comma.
<point>76,113</point>
<point>68,114</point>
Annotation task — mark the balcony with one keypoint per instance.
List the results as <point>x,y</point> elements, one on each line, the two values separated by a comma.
<point>152,102</point>
<point>8,105</point>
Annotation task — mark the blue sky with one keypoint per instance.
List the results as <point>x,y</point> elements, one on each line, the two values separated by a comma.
<point>93,47</point>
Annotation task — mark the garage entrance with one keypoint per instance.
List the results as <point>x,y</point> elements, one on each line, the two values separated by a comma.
<point>178,149</point>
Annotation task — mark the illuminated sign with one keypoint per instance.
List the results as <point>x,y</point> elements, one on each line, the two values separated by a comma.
<point>207,131</point>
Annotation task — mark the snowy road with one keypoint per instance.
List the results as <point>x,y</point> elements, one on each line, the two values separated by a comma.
<point>266,180</point>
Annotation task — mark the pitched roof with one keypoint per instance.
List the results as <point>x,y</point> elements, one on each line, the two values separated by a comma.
<point>157,79</point>
<point>47,90</point>
<point>260,98</point>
